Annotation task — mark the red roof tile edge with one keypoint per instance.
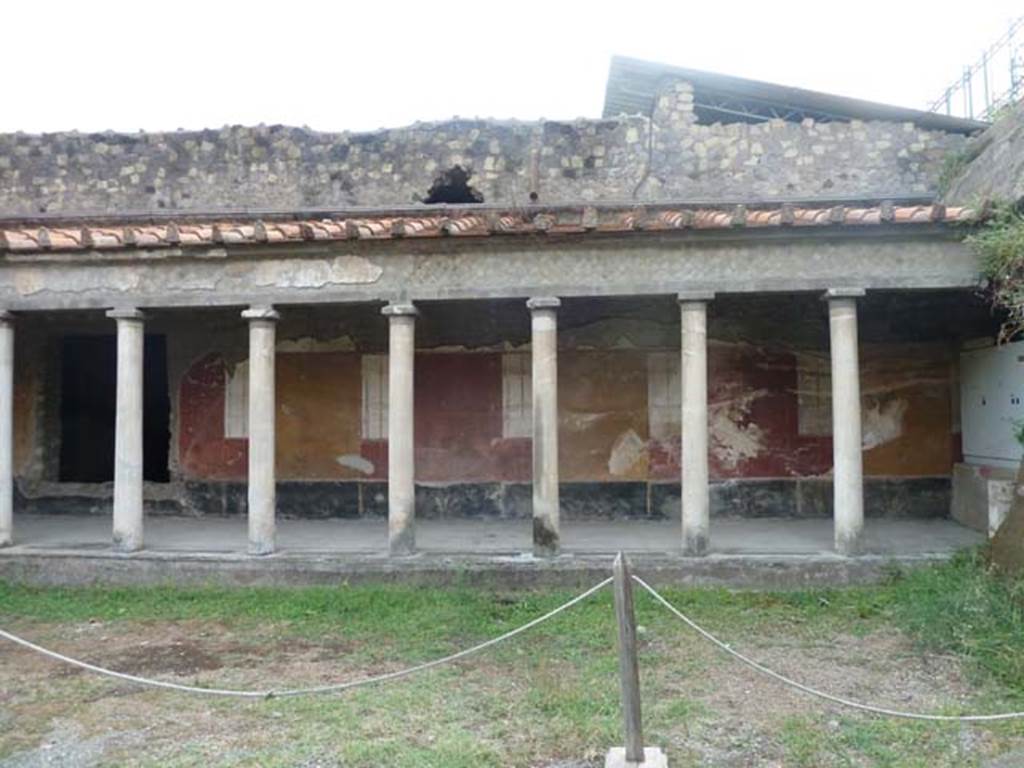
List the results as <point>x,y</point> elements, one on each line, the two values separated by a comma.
<point>242,231</point>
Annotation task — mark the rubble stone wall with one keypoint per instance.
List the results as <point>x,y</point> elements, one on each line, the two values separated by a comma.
<point>667,155</point>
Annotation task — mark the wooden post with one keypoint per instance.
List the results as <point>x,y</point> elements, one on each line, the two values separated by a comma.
<point>628,667</point>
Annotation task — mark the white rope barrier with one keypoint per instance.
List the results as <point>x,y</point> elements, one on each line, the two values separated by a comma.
<point>321,689</point>
<point>388,676</point>
<point>813,691</point>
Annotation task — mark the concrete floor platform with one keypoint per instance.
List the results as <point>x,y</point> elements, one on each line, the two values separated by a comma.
<point>72,549</point>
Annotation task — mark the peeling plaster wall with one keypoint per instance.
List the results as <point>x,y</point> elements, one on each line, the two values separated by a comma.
<point>203,451</point>
<point>318,414</point>
<point>770,418</point>
<point>458,429</point>
<point>603,418</point>
<point>667,156</point>
<point>28,390</point>
<point>908,426</point>
<point>602,415</point>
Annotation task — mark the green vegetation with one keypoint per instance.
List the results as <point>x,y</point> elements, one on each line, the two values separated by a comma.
<point>1000,244</point>
<point>965,608</point>
<point>546,696</point>
<point>960,606</point>
<point>955,163</point>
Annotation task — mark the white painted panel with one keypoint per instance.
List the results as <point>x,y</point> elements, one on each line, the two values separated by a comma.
<point>516,395</point>
<point>814,396</point>
<point>236,401</point>
<point>991,402</point>
<point>664,394</point>
<point>375,397</point>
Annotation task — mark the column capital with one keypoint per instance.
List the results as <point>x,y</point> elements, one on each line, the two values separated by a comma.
<point>126,313</point>
<point>265,313</point>
<point>687,297</point>
<point>399,309</point>
<point>543,302</point>
<point>847,292</point>
<point>6,317</point>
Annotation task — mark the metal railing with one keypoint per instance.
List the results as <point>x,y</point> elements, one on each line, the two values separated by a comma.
<point>993,82</point>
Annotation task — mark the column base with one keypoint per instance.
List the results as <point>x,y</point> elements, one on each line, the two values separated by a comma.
<point>261,548</point>
<point>402,543</point>
<point>653,758</point>
<point>546,541</point>
<point>695,545</point>
<point>849,545</point>
<point>125,545</point>
<point>545,552</point>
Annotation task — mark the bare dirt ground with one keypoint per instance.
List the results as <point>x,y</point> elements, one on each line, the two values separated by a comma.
<point>521,706</point>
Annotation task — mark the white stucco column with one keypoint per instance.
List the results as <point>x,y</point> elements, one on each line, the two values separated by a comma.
<point>6,428</point>
<point>847,462</point>
<point>131,337</point>
<point>693,380</point>
<point>262,430</point>
<point>401,445</point>
<point>544,346</point>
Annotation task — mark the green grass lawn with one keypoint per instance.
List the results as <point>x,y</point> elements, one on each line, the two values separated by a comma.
<point>945,638</point>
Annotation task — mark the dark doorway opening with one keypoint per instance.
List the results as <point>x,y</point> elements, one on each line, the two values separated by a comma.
<point>88,409</point>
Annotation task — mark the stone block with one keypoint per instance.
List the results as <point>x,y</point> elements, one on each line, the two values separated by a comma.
<point>653,758</point>
<point>981,496</point>
<point>1008,542</point>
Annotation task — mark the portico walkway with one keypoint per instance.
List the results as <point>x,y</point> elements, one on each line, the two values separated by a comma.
<point>767,553</point>
<point>733,536</point>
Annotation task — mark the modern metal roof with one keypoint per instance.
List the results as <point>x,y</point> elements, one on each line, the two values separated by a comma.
<point>633,84</point>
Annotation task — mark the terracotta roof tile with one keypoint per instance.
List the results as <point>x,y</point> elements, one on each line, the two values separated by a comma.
<point>768,218</point>
<point>811,217</point>
<point>917,214</point>
<point>675,219</point>
<point>145,237</point>
<point>99,238</point>
<point>863,216</point>
<point>461,223</point>
<point>711,219</point>
<point>468,225</point>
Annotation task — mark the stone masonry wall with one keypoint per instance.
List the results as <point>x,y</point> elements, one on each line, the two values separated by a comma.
<point>667,156</point>
<point>992,164</point>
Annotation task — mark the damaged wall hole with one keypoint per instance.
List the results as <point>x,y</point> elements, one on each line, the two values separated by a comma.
<point>452,186</point>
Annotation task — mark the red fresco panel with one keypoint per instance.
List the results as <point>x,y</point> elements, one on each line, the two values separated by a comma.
<point>203,451</point>
<point>458,417</point>
<point>376,451</point>
<point>753,415</point>
<point>752,403</point>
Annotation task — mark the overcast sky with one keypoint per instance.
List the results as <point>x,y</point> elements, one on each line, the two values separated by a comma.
<point>95,65</point>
